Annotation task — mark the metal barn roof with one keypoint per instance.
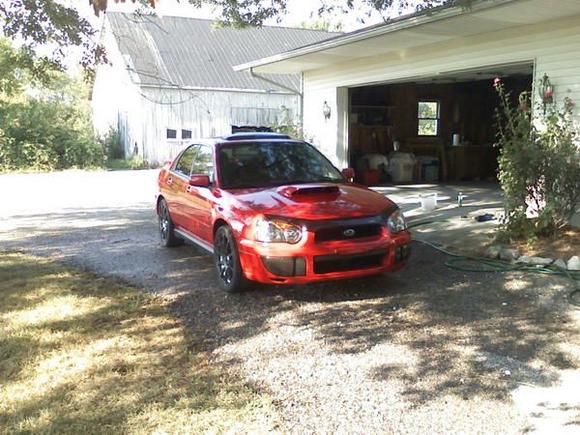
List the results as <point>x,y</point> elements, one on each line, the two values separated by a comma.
<point>188,52</point>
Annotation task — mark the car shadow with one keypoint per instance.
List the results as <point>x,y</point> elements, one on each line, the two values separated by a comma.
<point>466,335</point>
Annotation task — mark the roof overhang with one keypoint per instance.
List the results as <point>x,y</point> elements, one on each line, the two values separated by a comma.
<point>428,27</point>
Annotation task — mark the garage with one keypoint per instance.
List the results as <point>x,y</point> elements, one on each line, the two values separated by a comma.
<point>423,83</point>
<point>436,129</point>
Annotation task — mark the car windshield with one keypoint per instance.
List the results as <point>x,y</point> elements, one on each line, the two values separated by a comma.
<point>263,164</point>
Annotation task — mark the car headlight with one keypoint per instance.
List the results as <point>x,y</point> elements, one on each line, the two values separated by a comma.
<point>275,230</point>
<point>396,221</point>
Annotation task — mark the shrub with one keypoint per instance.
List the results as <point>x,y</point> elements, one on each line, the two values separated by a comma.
<point>539,165</point>
<point>287,125</point>
<point>44,125</point>
<point>47,135</point>
<point>112,145</point>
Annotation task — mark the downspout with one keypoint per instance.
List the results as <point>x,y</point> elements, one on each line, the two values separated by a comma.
<point>291,90</point>
<point>301,117</point>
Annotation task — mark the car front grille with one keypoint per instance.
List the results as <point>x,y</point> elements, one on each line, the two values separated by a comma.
<point>347,232</point>
<point>344,263</point>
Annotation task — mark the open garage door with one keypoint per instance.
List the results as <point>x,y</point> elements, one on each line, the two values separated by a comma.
<point>440,128</point>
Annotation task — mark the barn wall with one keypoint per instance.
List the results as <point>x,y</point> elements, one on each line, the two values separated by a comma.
<point>116,101</point>
<point>142,114</point>
<point>205,114</point>
<point>554,47</point>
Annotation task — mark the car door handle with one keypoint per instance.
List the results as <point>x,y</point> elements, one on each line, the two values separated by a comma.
<point>170,181</point>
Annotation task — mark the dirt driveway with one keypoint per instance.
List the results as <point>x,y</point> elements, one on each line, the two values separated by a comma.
<point>423,350</point>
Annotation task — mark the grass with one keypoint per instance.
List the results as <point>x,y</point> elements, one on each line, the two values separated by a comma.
<point>84,354</point>
<point>134,162</point>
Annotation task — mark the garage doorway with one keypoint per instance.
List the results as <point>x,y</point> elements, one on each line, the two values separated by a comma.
<point>436,129</point>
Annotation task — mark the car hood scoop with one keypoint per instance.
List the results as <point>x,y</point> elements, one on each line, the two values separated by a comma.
<point>301,191</point>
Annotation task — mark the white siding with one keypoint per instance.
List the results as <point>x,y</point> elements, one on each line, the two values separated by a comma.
<point>115,97</point>
<point>553,46</point>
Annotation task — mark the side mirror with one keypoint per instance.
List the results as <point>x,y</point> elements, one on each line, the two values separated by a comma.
<point>199,181</point>
<point>348,173</point>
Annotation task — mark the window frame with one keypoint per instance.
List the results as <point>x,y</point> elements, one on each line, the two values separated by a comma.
<point>190,131</point>
<point>167,129</point>
<point>178,160</point>
<point>212,175</point>
<point>437,118</point>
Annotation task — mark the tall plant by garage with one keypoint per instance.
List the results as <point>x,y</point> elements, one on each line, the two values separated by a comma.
<point>539,164</point>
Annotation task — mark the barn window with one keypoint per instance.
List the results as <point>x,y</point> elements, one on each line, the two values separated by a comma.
<point>171,133</point>
<point>428,118</point>
<point>185,134</point>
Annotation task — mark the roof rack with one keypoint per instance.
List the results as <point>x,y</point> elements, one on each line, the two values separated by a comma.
<point>255,135</point>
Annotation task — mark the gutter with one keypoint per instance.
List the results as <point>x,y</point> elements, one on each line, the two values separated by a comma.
<point>423,17</point>
<point>273,82</point>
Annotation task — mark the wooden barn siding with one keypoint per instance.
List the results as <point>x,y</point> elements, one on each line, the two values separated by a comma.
<point>115,95</point>
<point>554,47</point>
<point>205,113</point>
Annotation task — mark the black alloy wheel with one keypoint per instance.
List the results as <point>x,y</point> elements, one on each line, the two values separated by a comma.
<point>227,261</point>
<point>166,233</point>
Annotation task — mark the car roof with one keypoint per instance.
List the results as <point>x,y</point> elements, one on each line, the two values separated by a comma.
<point>253,136</point>
<point>245,138</point>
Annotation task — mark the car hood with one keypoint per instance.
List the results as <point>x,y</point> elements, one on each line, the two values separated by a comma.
<point>319,201</point>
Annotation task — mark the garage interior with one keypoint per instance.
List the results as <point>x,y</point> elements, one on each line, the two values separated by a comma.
<point>437,129</point>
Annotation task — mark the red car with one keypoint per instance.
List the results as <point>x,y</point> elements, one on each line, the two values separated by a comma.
<point>275,210</point>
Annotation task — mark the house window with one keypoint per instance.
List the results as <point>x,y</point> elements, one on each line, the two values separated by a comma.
<point>171,133</point>
<point>428,118</point>
<point>185,134</point>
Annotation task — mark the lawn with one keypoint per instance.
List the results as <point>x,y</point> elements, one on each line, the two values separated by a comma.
<point>84,354</point>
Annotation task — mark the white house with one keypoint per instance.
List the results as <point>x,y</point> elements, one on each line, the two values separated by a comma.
<point>424,81</point>
<point>170,79</point>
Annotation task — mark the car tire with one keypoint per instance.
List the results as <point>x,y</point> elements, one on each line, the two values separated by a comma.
<point>166,227</point>
<point>227,261</point>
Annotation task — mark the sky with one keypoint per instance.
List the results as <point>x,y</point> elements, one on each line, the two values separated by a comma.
<point>299,11</point>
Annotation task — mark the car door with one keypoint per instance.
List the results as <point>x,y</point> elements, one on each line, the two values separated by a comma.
<point>200,199</point>
<point>178,181</point>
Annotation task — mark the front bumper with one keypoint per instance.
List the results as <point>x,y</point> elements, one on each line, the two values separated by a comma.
<point>311,261</point>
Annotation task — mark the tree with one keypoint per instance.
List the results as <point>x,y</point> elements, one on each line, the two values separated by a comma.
<point>44,124</point>
<point>48,22</point>
<point>324,25</point>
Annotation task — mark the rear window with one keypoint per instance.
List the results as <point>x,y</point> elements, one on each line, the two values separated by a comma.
<point>264,164</point>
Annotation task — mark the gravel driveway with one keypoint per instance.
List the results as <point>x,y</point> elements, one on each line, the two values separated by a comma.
<point>427,349</point>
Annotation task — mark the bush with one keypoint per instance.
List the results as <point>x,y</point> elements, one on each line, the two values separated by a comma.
<point>287,125</point>
<point>44,125</point>
<point>112,145</point>
<point>47,135</point>
<point>539,165</point>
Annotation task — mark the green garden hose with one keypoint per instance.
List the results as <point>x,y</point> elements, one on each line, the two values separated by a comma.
<point>464,263</point>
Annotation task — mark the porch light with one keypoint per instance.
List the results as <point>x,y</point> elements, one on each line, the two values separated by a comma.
<point>546,90</point>
<point>326,110</point>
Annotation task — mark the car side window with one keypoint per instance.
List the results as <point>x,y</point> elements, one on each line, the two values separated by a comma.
<point>185,162</point>
<point>203,161</point>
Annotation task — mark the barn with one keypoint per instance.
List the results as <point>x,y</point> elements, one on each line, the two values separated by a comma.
<point>171,79</point>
